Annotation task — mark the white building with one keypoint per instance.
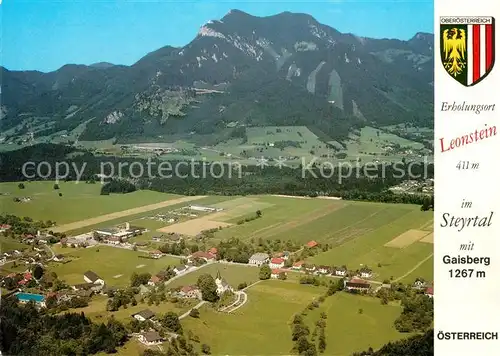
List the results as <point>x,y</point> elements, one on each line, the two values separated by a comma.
<point>277,263</point>
<point>222,285</point>
<point>92,277</point>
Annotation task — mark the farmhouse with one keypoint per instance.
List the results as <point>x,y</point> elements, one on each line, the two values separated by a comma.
<point>207,256</point>
<point>340,271</point>
<point>222,285</point>
<point>310,268</point>
<point>277,263</point>
<point>213,251</point>
<point>419,283</point>
<point>365,272</point>
<point>356,285</point>
<point>180,269</point>
<point>155,254</point>
<point>298,265</point>
<point>324,269</point>
<point>154,280</point>
<point>430,292</point>
<point>312,244</point>
<point>150,338</point>
<point>58,258</point>
<point>144,315</point>
<point>190,292</point>
<point>259,259</point>
<point>275,274</point>
<point>92,277</point>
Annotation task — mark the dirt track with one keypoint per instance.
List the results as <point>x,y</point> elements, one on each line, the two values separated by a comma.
<point>120,214</point>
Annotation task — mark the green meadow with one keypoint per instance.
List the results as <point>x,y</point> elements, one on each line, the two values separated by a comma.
<point>261,326</point>
<point>114,265</point>
<point>78,201</point>
<point>354,323</point>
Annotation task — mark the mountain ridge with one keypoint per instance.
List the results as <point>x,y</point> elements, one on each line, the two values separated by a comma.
<point>276,70</point>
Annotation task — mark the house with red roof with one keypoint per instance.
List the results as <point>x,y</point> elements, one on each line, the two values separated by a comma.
<point>358,285</point>
<point>207,256</point>
<point>276,262</point>
<point>298,265</point>
<point>429,292</point>
<point>275,273</point>
<point>155,254</point>
<point>4,227</point>
<point>213,251</point>
<point>190,292</point>
<point>154,280</point>
<point>312,244</point>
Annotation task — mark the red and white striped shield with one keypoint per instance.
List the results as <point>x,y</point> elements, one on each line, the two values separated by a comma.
<point>468,47</point>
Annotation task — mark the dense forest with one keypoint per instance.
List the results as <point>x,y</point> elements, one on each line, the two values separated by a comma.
<point>25,330</point>
<point>419,345</point>
<point>191,180</point>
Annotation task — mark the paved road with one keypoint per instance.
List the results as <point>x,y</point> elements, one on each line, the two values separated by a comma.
<point>195,307</point>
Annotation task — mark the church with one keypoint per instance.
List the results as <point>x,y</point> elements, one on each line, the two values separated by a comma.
<point>222,285</point>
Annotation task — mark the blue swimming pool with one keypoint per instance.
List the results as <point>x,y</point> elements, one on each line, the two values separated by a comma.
<point>27,297</point>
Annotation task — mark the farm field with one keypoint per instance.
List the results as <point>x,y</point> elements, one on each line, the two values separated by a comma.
<point>233,274</point>
<point>261,326</point>
<point>363,243</point>
<point>373,327</point>
<point>125,213</point>
<point>114,265</point>
<point>79,201</point>
<point>142,218</point>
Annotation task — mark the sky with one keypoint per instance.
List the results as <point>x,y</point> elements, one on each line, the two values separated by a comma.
<point>45,35</point>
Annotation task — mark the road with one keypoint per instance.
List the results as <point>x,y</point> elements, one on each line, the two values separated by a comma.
<point>189,311</point>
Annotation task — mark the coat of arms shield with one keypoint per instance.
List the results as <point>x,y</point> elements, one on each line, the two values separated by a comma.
<point>467,47</point>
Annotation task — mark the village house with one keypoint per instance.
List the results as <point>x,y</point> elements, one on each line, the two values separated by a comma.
<point>312,244</point>
<point>419,283</point>
<point>190,292</point>
<point>154,280</point>
<point>277,263</point>
<point>87,287</point>
<point>310,268</point>
<point>180,269</point>
<point>324,269</point>
<point>340,271</point>
<point>429,292</point>
<point>213,251</point>
<point>275,273</point>
<point>206,256</point>
<point>155,254</point>
<point>365,272</point>
<point>150,338</point>
<point>144,315</point>
<point>259,259</point>
<point>298,265</point>
<point>285,255</point>
<point>356,285</point>
<point>4,227</point>
<point>58,258</point>
<point>92,277</point>
<point>175,238</point>
<point>222,285</point>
